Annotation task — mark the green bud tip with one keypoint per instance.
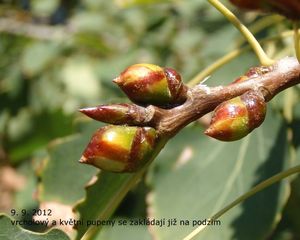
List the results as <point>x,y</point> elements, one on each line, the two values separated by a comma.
<point>120,148</point>
<point>151,84</point>
<point>237,117</point>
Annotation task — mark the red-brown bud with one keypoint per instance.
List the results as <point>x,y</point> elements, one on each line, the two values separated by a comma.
<point>288,8</point>
<point>129,114</point>
<point>151,84</point>
<point>237,117</point>
<point>120,148</point>
<point>253,72</point>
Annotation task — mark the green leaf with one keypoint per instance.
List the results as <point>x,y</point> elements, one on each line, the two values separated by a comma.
<point>293,207</point>
<point>296,141</point>
<point>89,22</point>
<point>13,82</point>
<point>46,126</point>
<point>4,118</point>
<point>80,79</point>
<point>63,178</point>
<point>44,8</point>
<point>225,75</point>
<point>38,56</point>
<point>120,231</point>
<point>195,177</point>
<point>103,197</point>
<point>13,232</point>
<point>23,199</point>
<point>129,3</point>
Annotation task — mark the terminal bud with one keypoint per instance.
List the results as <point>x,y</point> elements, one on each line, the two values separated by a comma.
<point>152,84</point>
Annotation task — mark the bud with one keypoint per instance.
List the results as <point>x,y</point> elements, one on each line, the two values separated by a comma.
<point>288,8</point>
<point>151,84</point>
<point>129,114</point>
<point>120,148</point>
<point>253,72</point>
<point>237,117</point>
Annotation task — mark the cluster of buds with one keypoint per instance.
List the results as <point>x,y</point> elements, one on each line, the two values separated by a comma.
<point>123,148</point>
<point>288,8</point>
<point>237,117</point>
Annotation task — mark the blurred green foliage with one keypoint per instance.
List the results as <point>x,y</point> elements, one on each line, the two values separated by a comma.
<point>47,78</point>
<point>59,56</point>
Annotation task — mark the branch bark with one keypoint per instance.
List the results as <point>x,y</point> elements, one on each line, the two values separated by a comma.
<point>203,99</point>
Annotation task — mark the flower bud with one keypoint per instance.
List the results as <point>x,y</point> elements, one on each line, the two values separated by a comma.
<point>253,72</point>
<point>120,148</point>
<point>151,84</point>
<point>288,8</point>
<point>129,114</point>
<point>237,117</point>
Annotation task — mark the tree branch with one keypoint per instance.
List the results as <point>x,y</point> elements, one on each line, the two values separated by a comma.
<point>203,99</point>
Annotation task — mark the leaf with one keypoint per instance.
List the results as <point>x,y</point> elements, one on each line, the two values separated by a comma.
<point>295,131</point>
<point>37,56</point>
<point>20,124</point>
<point>219,42</point>
<point>124,231</point>
<point>291,214</point>
<point>208,175</point>
<point>89,22</point>
<point>103,196</point>
<point>44,8</point>
<point>79,77</point>
<point>13,82</point>
<point>23,199</point>
<point>63,178</point>
<point>225,75</point>
<point>129,3</point>
<point>4,117</point>
<point>13,232</point>
<point>46,126</point>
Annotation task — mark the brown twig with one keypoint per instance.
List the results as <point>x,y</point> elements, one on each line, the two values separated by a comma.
<point>203,99</point>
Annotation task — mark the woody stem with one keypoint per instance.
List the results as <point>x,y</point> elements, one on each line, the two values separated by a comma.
<point>202,99</point>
